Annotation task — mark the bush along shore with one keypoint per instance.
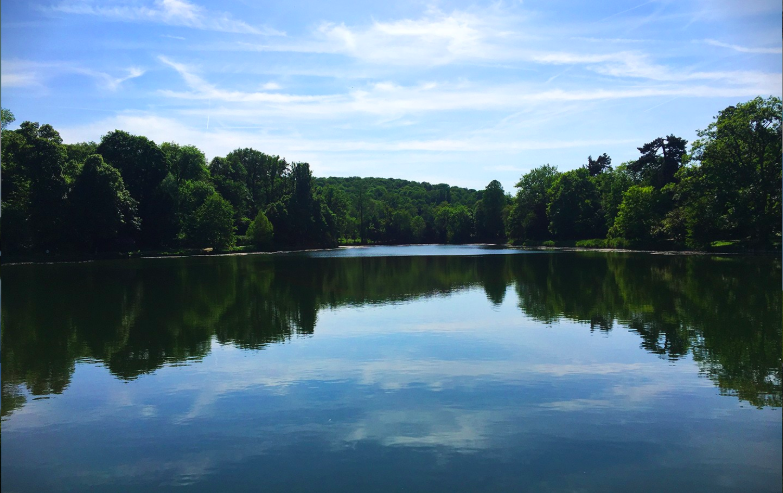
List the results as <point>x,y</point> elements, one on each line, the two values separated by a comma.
<point>127,196</point>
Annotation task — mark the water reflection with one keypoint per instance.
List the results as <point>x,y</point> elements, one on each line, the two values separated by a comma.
<point>135,317</point>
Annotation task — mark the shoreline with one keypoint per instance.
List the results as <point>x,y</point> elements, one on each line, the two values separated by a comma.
<point>41,259</point>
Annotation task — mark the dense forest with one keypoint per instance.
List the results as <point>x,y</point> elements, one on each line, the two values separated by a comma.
<point>129,193</point>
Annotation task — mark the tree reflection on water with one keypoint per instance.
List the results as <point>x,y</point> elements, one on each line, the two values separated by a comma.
<point>137,316</point>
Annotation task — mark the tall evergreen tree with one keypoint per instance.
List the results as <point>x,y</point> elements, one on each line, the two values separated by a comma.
<point>660,169</point>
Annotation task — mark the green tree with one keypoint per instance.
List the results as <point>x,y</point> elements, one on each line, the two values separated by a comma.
<point>489,213</point>
<point>574,207</point>
<point>361,207</point>
<point>75,155</point>
<point>611,186</point>
<point>638,215</point>
<point>302,219</point>
<point>253,163</point>
<point>261,231</point>
<point>601,164</point>
<point>453,224</point>
<point>229,179</point>
<point>339,203</point>
<point>37,163</point>
<point>185,162</point>
<point>101,207</point>
<point>657,169</point>
<point>15,194</point>
<point>418,229</point>
<point>738,180</point>
<point>140,161</point>
<point>528,218</point>
<point>144,167</point>
<point>6,118</point>
<point>399,228</point>
<point>192,194</point>
<point>212,225</point>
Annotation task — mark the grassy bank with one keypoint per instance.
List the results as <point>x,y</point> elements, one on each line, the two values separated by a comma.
<point>726,246</point>
<point>731,247</point>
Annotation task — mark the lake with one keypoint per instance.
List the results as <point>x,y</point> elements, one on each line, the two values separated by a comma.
<point>422,368</point>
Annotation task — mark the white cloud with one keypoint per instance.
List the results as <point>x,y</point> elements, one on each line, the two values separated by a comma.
<point>498,37</point>
<point>384,102</point>
<point>271,86</point>
<point>436,38</point>
<point>19,79</point>
<point>25,73</point>
<point>218,141</point>
<point>633,64</point>
<point>170,12</point>
<point>109,82</point>
<point>202,90</point>
<point>745,49</point>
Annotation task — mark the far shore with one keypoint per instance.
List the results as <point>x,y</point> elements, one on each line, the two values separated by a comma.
<point>42,258</point>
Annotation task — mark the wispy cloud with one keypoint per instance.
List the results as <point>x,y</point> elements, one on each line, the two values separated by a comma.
<point>745,49</point>
<point>218,141</point>
<point>498,37</point>
<point>436,38</point>
<point>387,99</point>
<point>23,73</point>
<point>170,12</point>
<point>15,76</point>
<point>108,81</point>
<point>271,86</point>
<point>203,90</point>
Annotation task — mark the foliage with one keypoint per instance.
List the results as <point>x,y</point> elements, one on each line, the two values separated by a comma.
<point>185,162</point>
<point>728,188</point>
<point>229,179</point>
<point>600,165</point>
<point>488,213</point>
<point>658,170</point>
<point>387,210</point>
<point>603,243</point>
<point>574,207</point>
<point>34,187</point>
<point>103,207</point>
<point>611,186</point>
<point>143,167</point>
<point>528,218</point>
<point>212,224</point>
<point>738,183</point>
<point>141,163</point>
<point>261,231</point>
<point>15,194</point>
<point>261,174</point>
<point>638,215</point>
<point>6,118</point>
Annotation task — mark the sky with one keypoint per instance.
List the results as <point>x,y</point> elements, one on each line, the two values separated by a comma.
<point>444,92</point>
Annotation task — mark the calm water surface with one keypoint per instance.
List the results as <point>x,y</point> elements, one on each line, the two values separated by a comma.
<point>393,369</point>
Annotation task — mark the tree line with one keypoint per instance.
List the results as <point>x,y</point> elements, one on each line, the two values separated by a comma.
<point>127,192</point>
<point>728,187</point>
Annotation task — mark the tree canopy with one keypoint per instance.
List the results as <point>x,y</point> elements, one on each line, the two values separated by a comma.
<point>127,192</point>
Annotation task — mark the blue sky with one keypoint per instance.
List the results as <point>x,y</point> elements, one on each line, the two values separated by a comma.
<point>455,92</point>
